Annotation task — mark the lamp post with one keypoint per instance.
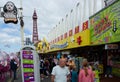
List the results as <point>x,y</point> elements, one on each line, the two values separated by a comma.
<point>22,25</point>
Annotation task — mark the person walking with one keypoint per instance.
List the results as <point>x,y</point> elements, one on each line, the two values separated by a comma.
<point>86,74</point>
<point>60,73</point>
<point>109,66</point>
<point>13,65</point>
<point>74,75</point>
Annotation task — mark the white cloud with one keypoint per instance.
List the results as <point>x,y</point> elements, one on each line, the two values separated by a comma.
<point>49,13</point>
<point>9,39</point>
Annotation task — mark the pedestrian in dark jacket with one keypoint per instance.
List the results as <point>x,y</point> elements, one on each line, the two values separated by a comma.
<point>13,66</point>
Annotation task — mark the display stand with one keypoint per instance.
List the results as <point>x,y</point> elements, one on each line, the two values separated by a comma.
<point>30,64</point>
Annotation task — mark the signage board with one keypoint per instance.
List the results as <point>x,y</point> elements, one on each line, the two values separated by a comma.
<point>85,25</point>
<point>10,13</point>
<point>105,25</point>
<point>109,2</point>
<point>28,66</point>
<point>111,46</point>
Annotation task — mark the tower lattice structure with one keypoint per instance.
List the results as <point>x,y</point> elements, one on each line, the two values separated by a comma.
<point>35,30</point>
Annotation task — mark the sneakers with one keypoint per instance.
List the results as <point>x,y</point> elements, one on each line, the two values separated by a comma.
<point>42,78</point>
<point>110,76</point>
<point>105,75</point>
<point>46,76</point>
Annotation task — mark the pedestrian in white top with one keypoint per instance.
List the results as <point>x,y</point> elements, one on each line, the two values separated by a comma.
<point>60,73</point>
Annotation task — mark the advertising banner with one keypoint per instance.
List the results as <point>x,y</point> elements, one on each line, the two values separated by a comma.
<point>28,66</point>
<point>105,25</point>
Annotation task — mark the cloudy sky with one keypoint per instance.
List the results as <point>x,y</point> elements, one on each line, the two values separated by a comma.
<point>49,12</point>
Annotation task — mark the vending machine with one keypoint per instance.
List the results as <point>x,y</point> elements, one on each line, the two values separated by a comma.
<point>30,64</point>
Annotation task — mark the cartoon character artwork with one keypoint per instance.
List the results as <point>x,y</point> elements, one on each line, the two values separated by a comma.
<point>10,13</point>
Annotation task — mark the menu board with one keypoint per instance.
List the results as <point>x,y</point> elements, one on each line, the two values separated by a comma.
<point>28,66</point>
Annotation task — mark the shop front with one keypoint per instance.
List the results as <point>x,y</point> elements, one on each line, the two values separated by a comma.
<point>104,30</point>
<point>78,40</point>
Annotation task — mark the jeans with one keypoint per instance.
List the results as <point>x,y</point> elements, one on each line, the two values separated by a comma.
<point>109,70</point>
<point>14,73</point>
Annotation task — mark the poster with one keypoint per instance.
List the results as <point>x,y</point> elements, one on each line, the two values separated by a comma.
<point>105,25</point>
<point>28,66</point>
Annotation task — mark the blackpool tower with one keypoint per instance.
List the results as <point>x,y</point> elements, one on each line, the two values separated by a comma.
<point>35,30</point>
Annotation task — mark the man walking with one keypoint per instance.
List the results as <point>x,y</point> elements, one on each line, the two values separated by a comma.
<point>60,73</point>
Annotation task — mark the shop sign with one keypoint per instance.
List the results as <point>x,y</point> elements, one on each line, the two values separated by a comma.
<point>109,2</point>
<point>70,32</point>
<point>79,40</point>
<point>65,35</point>
<point>85,25</point>
<point>10,13</point>
<point>61,37</point>
<point>111,46</point>
<point>59,46</point>
<point>76,29</point>
<point>28,66</point>
<point>104,25</point>
<point>65,52</point>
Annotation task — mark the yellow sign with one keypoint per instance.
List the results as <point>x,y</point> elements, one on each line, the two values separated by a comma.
<point>78,40</point>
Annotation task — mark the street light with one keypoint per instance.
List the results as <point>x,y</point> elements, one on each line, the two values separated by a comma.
<point>21,24</point>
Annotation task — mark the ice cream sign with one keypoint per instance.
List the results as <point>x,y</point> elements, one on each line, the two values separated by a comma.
<point>28,65</point>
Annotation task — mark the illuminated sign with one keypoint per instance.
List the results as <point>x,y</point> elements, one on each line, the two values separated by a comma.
<point>28,66</point>
<point>10,13</point>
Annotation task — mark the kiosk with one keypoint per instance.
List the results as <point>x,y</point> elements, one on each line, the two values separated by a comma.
<point>30,64</point>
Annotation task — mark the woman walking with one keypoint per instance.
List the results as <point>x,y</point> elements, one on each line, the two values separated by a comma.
<point>86,74</point>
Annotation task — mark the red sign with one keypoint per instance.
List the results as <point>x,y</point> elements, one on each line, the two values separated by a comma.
<point>70,32</point>
<point>79,40</point>
<point>76,29</point>
<point>55,40</point>
<point>61,37</point>
<point>65,35</point>
<point>58,39</point>
<point>85,25</point>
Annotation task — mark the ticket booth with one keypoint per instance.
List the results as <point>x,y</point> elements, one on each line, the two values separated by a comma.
<point>30,64</point>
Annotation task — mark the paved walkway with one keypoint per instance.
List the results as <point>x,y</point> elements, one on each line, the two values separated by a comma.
<point>114,79</point>
<point>19,77</point>
<point>47,79</point>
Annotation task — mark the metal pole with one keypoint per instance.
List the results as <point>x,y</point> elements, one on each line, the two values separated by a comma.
<point>0,12</point>
<point>22,25</point>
